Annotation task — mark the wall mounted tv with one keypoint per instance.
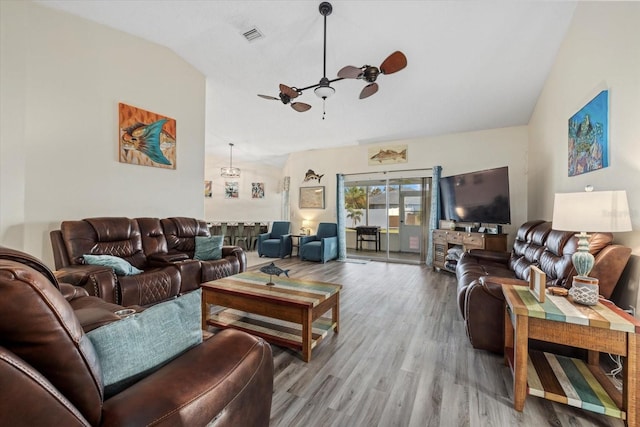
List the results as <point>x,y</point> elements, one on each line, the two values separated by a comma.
<point>481,196</point>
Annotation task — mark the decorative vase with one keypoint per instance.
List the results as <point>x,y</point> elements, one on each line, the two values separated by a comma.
<point>584,290</point>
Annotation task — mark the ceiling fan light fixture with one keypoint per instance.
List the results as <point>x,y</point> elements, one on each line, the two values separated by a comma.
<point>324,92</point>
<point>230,171</point>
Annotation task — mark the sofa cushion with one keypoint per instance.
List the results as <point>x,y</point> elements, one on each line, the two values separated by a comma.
<point>119,265</point>
<point>208,248</point>
<point>133,347</point>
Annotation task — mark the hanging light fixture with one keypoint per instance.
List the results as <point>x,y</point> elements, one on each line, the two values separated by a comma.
<point>230,172</point>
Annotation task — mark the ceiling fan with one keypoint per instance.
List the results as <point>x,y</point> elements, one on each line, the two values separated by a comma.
<point>394,63</point>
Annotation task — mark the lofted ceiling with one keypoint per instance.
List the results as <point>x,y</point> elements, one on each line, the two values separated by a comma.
<point>472,65</point>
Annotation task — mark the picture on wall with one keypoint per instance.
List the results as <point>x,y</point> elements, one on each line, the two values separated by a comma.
<point>207,189</point>
<point>311,198</point>
<point>257,190</point>
<point>589,136</point>
<point>386,155</point>
<point>146,138</point>
<point>231,190</point>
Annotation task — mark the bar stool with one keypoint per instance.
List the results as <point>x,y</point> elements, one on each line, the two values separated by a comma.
<point>232,232</point>
<point>256,230</point>
<point>242,235</point>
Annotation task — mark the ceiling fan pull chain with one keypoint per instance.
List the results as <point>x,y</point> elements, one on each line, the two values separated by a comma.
<point>324,112</point>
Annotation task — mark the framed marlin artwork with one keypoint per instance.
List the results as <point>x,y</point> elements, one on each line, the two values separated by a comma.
<point>146,138</point>
<point>386,155</point>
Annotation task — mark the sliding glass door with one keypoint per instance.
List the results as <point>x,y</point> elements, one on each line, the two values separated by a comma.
<point>387,218</point>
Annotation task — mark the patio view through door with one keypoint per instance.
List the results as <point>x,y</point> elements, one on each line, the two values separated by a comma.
<point>397,208</point>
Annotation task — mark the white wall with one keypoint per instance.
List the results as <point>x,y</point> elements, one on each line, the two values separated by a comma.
<point>244,208</point>
<point>456,153</point>
<point>62,79</point>
<point>600,51</point>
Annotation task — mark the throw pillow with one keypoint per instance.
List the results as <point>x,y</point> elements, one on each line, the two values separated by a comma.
<point>208,248</point>
<point>131,348</point>
<point>119,265</point>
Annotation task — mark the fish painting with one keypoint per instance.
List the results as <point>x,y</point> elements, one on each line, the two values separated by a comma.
<point>389,156</point>
<point>272,269</point>
<point>312,175</point>
<point>148,139</point>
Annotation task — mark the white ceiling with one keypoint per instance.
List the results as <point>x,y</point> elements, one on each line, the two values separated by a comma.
<point>472,65</point>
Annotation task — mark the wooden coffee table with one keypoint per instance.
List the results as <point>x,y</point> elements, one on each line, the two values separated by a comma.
<point>288,314</point>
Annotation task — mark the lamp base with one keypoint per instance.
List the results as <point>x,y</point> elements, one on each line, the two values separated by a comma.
<point>585,290</point>
<point>582,260</point>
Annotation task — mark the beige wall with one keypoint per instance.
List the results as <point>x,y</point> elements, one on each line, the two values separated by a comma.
<point>244,208</point>
<point>600,51</point>
<point>456,153</point>
<point>62,79</point>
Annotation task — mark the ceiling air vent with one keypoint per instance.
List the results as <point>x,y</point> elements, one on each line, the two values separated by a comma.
<point>252,34</point>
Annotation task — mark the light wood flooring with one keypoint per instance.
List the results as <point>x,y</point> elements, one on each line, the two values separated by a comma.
<point>401,359</point>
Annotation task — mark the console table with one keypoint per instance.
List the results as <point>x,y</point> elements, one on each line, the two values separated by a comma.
<point>600,328</point>
<point>365,233</point>
<point>443,240</point>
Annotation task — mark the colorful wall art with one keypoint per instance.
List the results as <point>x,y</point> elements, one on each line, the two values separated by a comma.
<point>146,138</point>
<point>208,189</point>
<point>257,190</point>
<point>589,136</point>
<point>231,190</point>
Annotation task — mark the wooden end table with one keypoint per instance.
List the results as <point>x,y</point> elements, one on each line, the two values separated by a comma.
<point>600,328</point>
<point>287,314</point>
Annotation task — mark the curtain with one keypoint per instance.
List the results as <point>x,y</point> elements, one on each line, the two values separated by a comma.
<point>342,231</point>
<point>435,211</point>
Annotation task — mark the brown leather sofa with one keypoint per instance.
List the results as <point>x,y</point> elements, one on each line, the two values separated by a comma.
<point>50,373</point>
<point>162,248</point>
<point>480,275</point>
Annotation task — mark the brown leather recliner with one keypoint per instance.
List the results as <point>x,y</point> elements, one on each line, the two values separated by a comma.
<point>480,275</point>
<point>163,249</point>
<point>50,373</point>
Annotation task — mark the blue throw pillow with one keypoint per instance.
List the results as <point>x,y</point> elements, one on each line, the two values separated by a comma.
<point>131,348</point>
<point>119,265</point>
<point>208,248</point>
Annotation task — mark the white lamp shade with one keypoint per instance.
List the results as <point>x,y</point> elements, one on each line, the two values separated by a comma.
<point>592,211</point>
<point>324,91</point>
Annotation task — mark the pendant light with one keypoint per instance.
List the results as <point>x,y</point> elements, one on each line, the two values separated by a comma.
<point>230,172</point>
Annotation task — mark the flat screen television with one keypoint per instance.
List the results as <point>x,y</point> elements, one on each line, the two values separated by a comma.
<point>481,196</point>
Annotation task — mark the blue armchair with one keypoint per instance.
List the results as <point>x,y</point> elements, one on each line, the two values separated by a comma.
<point>276,244</point>
<point>323,246</point>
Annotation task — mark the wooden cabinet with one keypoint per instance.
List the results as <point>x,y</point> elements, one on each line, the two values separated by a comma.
<point>443,240</point>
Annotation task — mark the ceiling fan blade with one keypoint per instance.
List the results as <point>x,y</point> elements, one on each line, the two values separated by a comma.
<point>269,97</point>
<point>288,91</point>
<point>394,63</point>
<point>369,90</point>
<point>349,72</point>
<point>300,107</point>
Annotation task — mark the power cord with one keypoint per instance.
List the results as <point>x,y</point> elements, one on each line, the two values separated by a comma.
<point>613,374</point>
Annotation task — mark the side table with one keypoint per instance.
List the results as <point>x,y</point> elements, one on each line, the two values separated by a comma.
<point>600,328</point>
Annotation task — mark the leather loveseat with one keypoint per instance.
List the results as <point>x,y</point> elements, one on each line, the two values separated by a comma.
<point>480,275</point>
<point>50,373</point>
<point>162,248</point>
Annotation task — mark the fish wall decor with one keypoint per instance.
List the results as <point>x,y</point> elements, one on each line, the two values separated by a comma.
<point>388,155</point>
<point>311,175</point>
<point>146,138</point>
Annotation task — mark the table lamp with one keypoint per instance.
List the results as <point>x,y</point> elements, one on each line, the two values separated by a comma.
<point>589,211</point>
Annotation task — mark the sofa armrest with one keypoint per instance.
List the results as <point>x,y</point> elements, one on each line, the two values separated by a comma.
<point>71,292</point>
<point>167,258</point>
<point>492,256</point>
<point>237,252</point>
<point>97,280</point>
<point>608,267</point>
<point>493,284</point>
<point>228,377</point>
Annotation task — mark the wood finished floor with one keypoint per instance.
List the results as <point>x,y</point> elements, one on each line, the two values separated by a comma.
<point>401,359</point>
